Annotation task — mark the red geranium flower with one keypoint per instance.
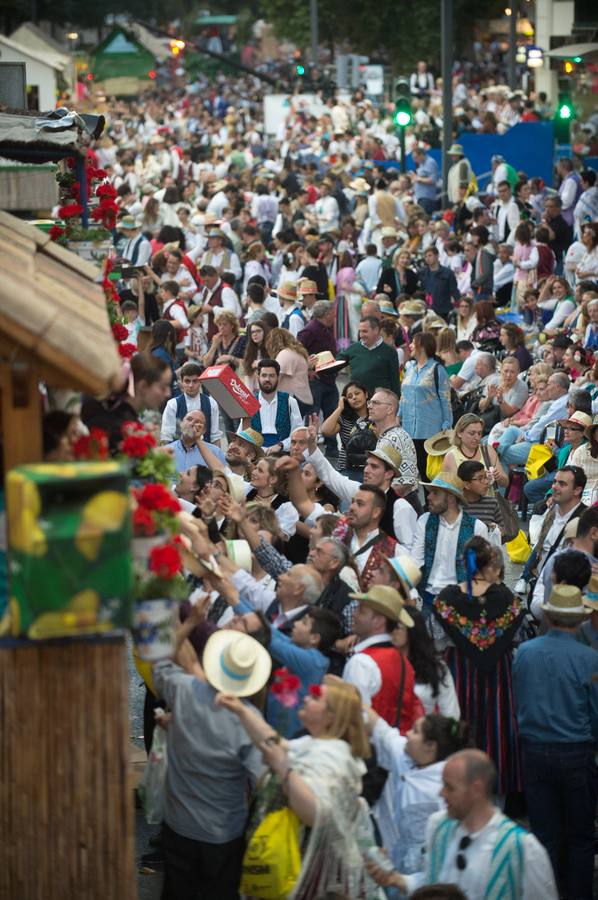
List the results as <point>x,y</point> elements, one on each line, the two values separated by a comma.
<point>106,190</point>
<point>315,690</point>
<point>156,496</point>
<point>143,521</point>
<point>119,332</point>
<point>127,350</point>
<point>92,446</point>
<point>165,561</point>
<point>55,232</point>
<point>70,210</point>
<point>136,446</point>
<point>131,427</point>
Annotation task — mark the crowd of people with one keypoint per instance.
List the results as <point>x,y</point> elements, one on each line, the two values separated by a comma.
<point>422,368</point>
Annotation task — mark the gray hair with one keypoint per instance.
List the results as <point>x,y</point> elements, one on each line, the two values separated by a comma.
<point>562,379</point>
<point>312,586</point>
<point>487,358</point>
<point>338,550</point>
<point>321,308</point>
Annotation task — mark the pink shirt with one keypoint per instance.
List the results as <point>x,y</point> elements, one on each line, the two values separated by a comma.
<point>294,378</point>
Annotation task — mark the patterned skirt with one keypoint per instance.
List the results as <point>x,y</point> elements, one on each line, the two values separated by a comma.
<point>487,704</point>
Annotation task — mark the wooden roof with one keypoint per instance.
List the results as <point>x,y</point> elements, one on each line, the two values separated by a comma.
<point>53,311</point>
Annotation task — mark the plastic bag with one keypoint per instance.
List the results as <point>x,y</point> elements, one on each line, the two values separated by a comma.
<point>519,548</point>
<point>539,461</point>
<point>153,784</point>
<point>272,860</point>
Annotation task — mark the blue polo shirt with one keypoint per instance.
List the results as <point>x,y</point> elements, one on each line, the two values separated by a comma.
<point>427,169</point>
<point>184,459</point>
<point>556,699</point>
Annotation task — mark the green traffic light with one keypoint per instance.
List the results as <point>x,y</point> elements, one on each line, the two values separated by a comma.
<point>402,119</point>
<point>300,70</point>
<point>577,59</point>
<point>565,111</point>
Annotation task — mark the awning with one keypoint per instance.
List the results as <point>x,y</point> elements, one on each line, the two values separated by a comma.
<point>570,51</point>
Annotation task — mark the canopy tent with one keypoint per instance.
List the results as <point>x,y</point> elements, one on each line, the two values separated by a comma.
<point>571,51</point>
<point>121,55</point>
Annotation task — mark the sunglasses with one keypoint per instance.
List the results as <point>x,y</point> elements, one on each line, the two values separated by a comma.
<point>461,859</point>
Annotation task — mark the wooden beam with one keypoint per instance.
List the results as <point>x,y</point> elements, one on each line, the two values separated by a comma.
<point>21,414</point>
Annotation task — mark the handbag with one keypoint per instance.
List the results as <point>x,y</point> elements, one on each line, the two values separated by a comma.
<point>510,519</point>
<point>153,784</point>
<point>272,860</point>
<point>539,461</point>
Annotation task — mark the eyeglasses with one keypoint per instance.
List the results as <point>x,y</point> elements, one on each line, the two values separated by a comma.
<point>572,428</point>
<point>461,860</point>
<point>378,403</point>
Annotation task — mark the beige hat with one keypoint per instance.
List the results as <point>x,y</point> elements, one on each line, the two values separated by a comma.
<point>240,553</point>
<point>449,482</point>
<point>250,435</point>
<point>127,223</point>
<point>570,531</point>
<point>566,600</point>
<point>456,150</point>
<point>360,185</point>
<point>386,600</point>
<point>236,663</point>
<point>388,453</point>
<point>325,362</point>
<point>236,484</point>
<point>388,231</point>
<point>387,307</point>
<point>407,570</point>
<point>413,308</point>
<point>288,290</point>
<point>306,286</point>
<point>577,418</point>
<point>440,443</point>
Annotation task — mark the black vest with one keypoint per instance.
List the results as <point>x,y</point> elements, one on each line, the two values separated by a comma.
<point>387,522</point>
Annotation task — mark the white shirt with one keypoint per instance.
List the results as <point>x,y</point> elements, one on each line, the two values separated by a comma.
<point>553,533</point>
<point>360,559</point>
<point>538,880</point>
<point>503,273</point>
<point>268,410</point>
<point>168,429</point>
<point>217,259</point>
<point>327,213</point>
<point>444,569</point>
<point>143,247</point>
<point>260,594</point>
<point>445,702</point>
<point>362,671</point>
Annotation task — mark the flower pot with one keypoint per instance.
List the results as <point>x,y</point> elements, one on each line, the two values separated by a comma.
<point>141,548</point>
<point>154,628</point>
<point>92,251</point>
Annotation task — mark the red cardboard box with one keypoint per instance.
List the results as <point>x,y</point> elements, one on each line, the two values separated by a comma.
<point>229,392</point>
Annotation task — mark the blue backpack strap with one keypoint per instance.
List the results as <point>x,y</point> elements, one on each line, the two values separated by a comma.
<point>206,408</point>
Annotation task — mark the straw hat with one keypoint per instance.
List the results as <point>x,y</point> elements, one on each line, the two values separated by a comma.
<point>240,553</point>
<point>236,484</point>
<point>386,600</point>
<point>306,286</point>
<point>590,599</point>
<point>387,308</point>
<point>590,428</point>
<point>325,362</point>
<point>448,482</point>
<point>250,435</point>
<point>127,223</point>
<point>413,308</point>
<point>407,569</point>
<point>577,418</point>
<point>566,600</point>
<point>288,291</point>
<point>388,231</point>
<point>216,233</point>
<point>360,185</point>
<point>236,663</point>
<point>456,150</point>
<point>389,454</point>
<point>440,443</point>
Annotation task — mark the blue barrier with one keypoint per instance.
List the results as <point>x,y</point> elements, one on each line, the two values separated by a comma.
<point>528,147</point>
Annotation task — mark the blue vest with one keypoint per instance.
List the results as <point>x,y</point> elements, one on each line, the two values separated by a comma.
<point>206,408</point>
<point>294,312</point>
<point>282,422</point>
<point>466,531</point>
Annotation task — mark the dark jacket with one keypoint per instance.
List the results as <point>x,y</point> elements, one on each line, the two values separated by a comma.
<point>390,278</point>
<point>442,286</point>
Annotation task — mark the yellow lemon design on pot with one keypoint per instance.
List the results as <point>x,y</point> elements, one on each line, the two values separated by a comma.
<point>23,506</point>
<point>103,512</point>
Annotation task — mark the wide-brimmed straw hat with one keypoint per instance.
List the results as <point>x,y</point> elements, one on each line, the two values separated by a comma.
<point>566,600</point>
<point>440,443</point>
<point>388,232</point>
<point>306,286</point>
<point>386,600</point>
<point>456,150</point>
<point>240,553</point>
<point>389,454</point>
<point>236,663</point>
<point>360,185</point>
<point>325,362</point>
<point>590,598</point>
<point>250,435</point>
<point>387,308</point>
<point>448,482</point>
<point>591,427</point>
<point>288,290</point>
<point>406,569</point>
<point>414,308</point>
<point>577,418</point>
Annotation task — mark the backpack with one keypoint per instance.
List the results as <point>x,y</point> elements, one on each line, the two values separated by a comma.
<point>361,440</point>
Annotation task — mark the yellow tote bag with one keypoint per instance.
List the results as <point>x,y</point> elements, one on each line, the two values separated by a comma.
<point>519,548</point>
<point>539,455</point>
<point>272,860</point>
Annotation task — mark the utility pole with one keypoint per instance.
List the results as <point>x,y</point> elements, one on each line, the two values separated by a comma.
<point>446,27</point>
<point>512,77</point>
<point>313,15</point>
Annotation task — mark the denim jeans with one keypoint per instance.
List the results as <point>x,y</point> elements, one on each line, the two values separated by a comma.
<point>507,438</point>
<point>516,454</point>
<point>535,490</point>
<point>325,399</point>
<point>561,789</point>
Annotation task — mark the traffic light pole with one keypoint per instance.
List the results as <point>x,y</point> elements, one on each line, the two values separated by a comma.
<point>446,26</point>
<point>403,166</point>
<point>313,17</point>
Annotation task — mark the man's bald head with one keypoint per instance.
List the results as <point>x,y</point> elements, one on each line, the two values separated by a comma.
<point>476,766</point>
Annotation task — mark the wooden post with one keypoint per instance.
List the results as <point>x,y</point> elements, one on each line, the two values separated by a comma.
<point>21,413</point>
<point>66,801</point>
